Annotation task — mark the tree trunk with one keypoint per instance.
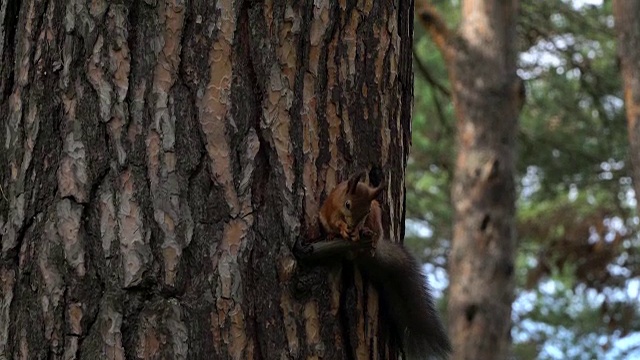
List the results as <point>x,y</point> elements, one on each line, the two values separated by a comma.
<point>627,27</point>
<point>487,95</point>
<point>161,158</point>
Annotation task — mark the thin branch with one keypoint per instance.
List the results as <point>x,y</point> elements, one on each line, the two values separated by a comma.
<point>433,23</point>
<point>331,249</point>
<point>427,75</point>
<point>441,115</point>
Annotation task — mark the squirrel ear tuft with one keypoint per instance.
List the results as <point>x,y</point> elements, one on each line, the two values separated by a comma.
<point>353,181</point>
<point>376,175</point>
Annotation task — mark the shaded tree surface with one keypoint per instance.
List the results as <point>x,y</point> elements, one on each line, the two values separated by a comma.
<point>487,96</point>
<point>627,28</point>
<point>161,158</point>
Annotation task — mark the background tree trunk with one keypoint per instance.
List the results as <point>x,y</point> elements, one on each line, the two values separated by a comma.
<point>627,27</point>
<point>487,96</point>
<point>160,159</point>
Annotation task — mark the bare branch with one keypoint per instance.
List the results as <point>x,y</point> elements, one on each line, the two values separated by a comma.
<point>428,77</point>
<point>331,249</point>
<point>433,23</point>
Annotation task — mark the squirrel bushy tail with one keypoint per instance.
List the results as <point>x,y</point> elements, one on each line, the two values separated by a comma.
<point>403,288</point>
<point>351,209</point>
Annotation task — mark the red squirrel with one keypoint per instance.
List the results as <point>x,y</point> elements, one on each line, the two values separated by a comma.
<point>351,211</point>
<point>351,208</point>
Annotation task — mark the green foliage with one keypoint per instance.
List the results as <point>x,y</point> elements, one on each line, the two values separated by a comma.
<point>577,224</point>
<point>429,170</point>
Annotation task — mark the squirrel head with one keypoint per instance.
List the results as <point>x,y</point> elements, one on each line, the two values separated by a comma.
<point>358,198</point>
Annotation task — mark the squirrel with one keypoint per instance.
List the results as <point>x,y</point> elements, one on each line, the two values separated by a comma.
<point>351,211</point>
<point>352,208</point>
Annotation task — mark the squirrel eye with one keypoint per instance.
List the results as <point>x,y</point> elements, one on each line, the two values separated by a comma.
<point>347,204</point>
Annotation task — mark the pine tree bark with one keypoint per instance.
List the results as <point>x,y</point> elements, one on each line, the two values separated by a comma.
<point>161,158</point>
<point>487,96</point>
<point>627,27</point>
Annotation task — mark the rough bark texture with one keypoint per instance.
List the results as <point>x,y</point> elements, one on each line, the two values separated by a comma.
<point>626,14</point>
<point>160,159</point>
<point>487,95</point>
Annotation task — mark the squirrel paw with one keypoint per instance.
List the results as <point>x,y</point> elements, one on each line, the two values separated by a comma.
<point>366,232</point>
<point>370,237</point>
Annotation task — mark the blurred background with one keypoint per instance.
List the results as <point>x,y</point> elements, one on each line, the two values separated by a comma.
<point>577,262</point>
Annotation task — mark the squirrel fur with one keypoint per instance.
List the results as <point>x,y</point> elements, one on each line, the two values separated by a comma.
<point>350,211</point>
<point>347,208</point>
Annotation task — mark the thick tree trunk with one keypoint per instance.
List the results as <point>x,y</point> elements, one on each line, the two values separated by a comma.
<point>161,158</point>
<point>627,26</point>
<point>487,96</point>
